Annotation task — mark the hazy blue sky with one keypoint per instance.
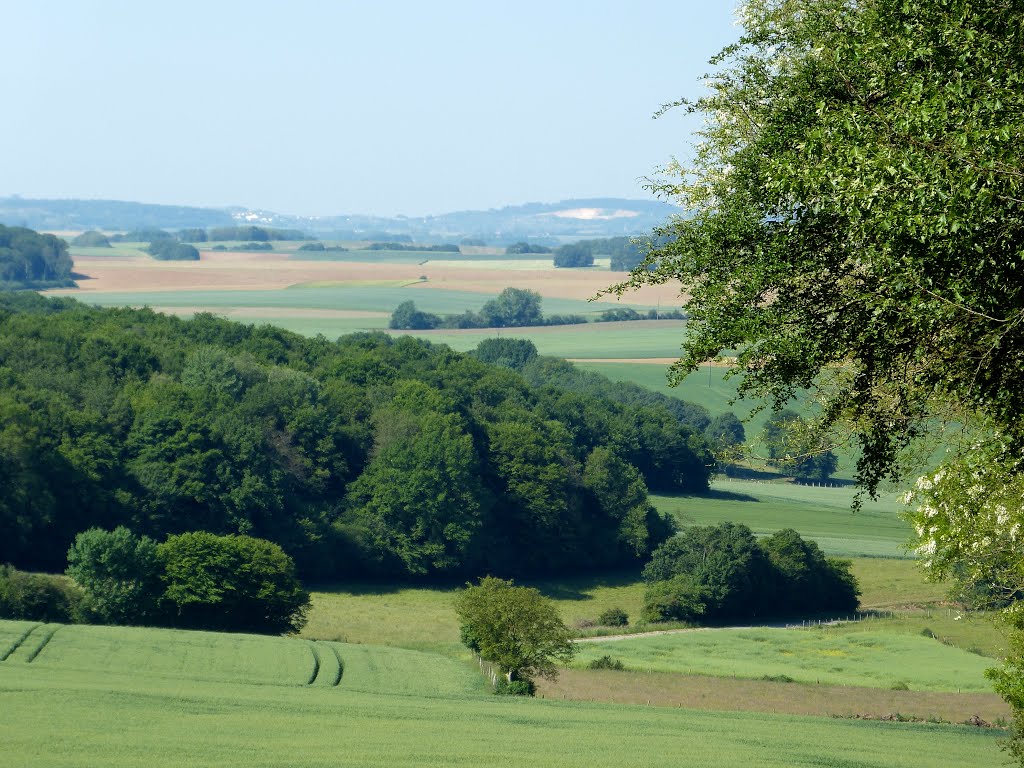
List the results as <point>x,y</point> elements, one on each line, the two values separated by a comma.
<point>348,107</point>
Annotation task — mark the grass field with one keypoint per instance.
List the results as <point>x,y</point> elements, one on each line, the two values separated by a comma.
<point>378,296</point>
<point>822,514</point>
<point>874,659</point>
<point>56,715</point>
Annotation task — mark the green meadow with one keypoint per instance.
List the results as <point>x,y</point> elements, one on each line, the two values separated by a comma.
<point>363,297</point>
<point>391,707</point>
<point>824,514</point>
<point>866,658</point>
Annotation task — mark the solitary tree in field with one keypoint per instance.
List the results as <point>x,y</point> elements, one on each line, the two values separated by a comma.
<point>515,628</point>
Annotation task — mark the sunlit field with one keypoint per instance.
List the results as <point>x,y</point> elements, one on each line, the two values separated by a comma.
<point>397,708</point>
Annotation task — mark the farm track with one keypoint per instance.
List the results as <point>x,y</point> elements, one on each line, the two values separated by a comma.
<point>19,642</point>
<point>327,665</point>
<point>32,643</point>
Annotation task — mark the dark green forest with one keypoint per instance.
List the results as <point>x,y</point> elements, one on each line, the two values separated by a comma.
<point>31,260</point>
<point>367,456</point>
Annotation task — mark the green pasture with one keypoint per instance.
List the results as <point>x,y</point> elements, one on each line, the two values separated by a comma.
<point>819,513</point>
<point>377,298</point>
<point>436,258</point>
<point>423,616</point>
<point>874,659</point>
<point>639,338</point>
<point>116,249</point>
<point>57,715</point>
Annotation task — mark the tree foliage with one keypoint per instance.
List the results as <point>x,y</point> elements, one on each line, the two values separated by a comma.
<point>514,628</point>
<point>120,574</point>
<point>31,260</point>
<point>573,255</point>
<point>236,583</point>
<point>856,228</point>
<point>723,572</point>
<point>368,456</point>
<point>856,220</point>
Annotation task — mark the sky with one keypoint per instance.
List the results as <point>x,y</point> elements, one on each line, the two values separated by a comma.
<point>343,107</point>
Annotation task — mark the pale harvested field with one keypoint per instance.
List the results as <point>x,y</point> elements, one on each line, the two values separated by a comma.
<point>271,271</point>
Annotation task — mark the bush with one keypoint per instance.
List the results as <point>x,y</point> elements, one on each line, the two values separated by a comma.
<point>37,597</point>
<point>119,573</point>
<point>574,255</point>
<point>92,239</point>
<point>515,688</point>
<point>606,662</point>
<point>234,583</point>
<point>613,617</point>
<point>171,250</point>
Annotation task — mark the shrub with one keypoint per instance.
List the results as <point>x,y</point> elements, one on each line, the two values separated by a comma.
<point>37,596</point>
<point>515,688</point>
<point>235,583</point>
<point>613,617</point>
<point>119,573</point>
<point>606,662</point>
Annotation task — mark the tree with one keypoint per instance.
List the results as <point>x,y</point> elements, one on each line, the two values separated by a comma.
<point>407,317</point>
<point>234,583</point>
<point>514,628</point>
<point>172,250</point>
<point>574,255</point>
<point>806,580</point>
<point>722,568</point>
<point>419,497</point>
<point>795,445</point>
<point>513,308</point>
<point>856,230</point>
<point>120,574</point>
<point>725,434</point>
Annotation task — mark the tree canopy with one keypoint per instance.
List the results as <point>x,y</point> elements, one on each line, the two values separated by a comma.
<point>515,628</point>
<point>366,457</point>
<point>31,260</point>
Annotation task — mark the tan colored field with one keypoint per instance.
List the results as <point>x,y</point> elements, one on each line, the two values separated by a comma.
<point>722,693</point>
<point>269,271</point>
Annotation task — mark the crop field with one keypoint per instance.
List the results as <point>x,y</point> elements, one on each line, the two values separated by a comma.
<point>873,659</point>
<point>822,514</point>
<point>109,272</point>
<point>59,715</point>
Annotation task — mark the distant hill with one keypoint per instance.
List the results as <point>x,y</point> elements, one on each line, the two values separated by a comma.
<point>106,215</point>
<point>550,223</point>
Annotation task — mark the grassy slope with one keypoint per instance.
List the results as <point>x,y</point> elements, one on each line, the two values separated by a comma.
<point>868,658</point>
<point>55,716</point>
<point>822,514</point>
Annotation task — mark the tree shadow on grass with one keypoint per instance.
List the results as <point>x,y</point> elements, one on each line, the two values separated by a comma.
<point>578,587</point>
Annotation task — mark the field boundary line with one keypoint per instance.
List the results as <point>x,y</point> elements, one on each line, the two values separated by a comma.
<point>19,641</point>
<point>316,663</point>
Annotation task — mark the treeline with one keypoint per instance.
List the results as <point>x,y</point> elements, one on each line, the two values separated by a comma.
<point>512,308</point>
<point>396,246</point>
<point>172,250</point>
<point>369,456</point>
<point>245,233</point>
<point>196,580</point>
<point>31,260</point>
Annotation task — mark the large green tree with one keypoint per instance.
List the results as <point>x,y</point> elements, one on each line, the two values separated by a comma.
<point>856,229</point>
<point>235,583</point>
<point>515,628</point>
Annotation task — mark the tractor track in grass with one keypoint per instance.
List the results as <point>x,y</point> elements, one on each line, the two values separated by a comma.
<point>322,665</point>
<point>19,642</point>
